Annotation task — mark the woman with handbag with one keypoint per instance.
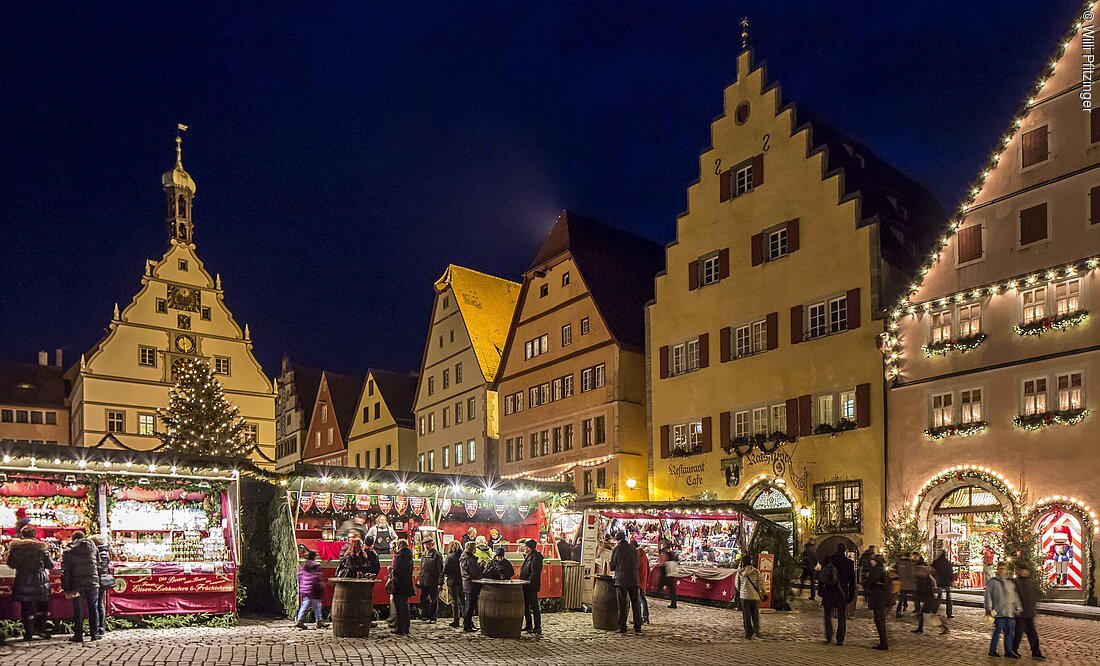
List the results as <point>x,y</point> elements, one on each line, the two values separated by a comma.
<point>750,588</point>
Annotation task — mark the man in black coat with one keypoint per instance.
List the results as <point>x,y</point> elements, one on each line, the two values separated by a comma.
<point>531,571</point>
<point>431,580</point>
<point>880,597</point>
<point>624,564</point>
<point>80,580</point>
<point>809,564</point>
<point>565,549</point>
<point>31,588</point>
<point>835,596</point>
<point>472,570</point>
<point>401,571</point>
<point>945,578</point>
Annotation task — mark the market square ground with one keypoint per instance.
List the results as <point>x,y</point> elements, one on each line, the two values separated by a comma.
<point>688,635</point>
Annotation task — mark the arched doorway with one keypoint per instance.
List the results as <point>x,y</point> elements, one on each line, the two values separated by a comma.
<point>773,502</point>
<point>1065,530</point>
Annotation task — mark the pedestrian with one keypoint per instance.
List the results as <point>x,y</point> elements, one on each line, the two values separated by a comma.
<point>1028,592</point>
<point>624,564</point>
<point>750,590</point>
<point>1002,602</point>
<point>472,570</point>
<point>809,569</point>
<point>431,581</point>
<point>453,573</point>
<point>311,586</point>
<point>877,586</point>
<point>565,549</point>
<point>531,571</point>
<point>904,569</point>
<point>80,580</point>
<point>401,573</point>
<point>106,580</point>
<point>837,586</point>
<point>666,562</point>
<point>927,600</point>
<point>643,580</point>
<point>31,587</point>
<point>499,568</point>
<point>944,573</point>
<point>865,564</point>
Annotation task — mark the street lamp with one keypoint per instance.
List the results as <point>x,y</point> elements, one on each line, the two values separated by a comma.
<point>805,512</point>
<point>632,483</point>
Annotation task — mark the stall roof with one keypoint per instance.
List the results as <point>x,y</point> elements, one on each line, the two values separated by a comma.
<point>688,509</point>
<point>333,475</point>
<point>18,456</point>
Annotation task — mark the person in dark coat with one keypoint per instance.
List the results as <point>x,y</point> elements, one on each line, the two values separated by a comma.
<point>865,564</point>
<point>904,569</point>
<point>311,587</point>
<point>106,580</point>
<point>472,570</point>
<point>624,564</point>
<point>358,559</point>
<point>809,564</point>
<point>1028,591</point>
<point>31,588</point>
<point>665,555</point>
<point>565,549</point>
<point>944,573</point>
<point>431,580</point>
<point>499,568</point>
<point>880,597</point>
<point>926,596</point>
<point>531,571</point>
<point>401,571</point>
<point>835,597</point>
<point>80,580</point>
<point>452,571</point>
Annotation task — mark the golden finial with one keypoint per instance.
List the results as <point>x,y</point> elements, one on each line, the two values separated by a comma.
<point>744,32</point>
<point>180,128</point>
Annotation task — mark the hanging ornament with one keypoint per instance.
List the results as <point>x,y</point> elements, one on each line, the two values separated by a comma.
<point>305,500</point>
<point>401,503</point>
<point>524,509</point>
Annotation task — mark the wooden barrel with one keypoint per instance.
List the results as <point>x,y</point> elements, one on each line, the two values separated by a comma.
<point>500,608</point>
<point>352,607</point>
<point>605,607</point>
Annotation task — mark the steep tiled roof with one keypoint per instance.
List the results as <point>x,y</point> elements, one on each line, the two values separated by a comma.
<point>31,385</point>
<point>306,382</point>
<point>486,303</point>
<point>399,393</point>
<point>617,266</point>
<point>343,390</point>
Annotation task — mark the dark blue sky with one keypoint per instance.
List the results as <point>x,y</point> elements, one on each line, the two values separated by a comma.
<point>344,154</point>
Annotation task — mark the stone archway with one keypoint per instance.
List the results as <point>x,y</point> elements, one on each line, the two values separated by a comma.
<point>776,503</point>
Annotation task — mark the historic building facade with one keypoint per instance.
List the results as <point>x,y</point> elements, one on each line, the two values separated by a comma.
<point>32,402</point>
<point>332,419</point>
<point>572,382</point>
<point>456,406</point>
<point>993,357</point>
<point>765,379</point>
<point>297,391</point>
<point>180,312</point>
<point>383,434</point>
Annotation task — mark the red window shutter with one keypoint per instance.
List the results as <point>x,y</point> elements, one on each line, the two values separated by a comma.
<point>725,344</point>
<point>723,263</point>
<point>725,185</point>
<point>805,416</point>
<point>772,323</point>
<point>664,361</point>
<point>706,438</point>
<point>664,441</point>
<point>704,350</point>
<point>792,417</point>
<point>1033,224</point>
<point>1034,146</point>
<point>1094,196</point>
<point>757,170</point>
<point>693,275</point>
<point>724,429</point>
<point>853,309</point>
<point>757,246</point>
<point>970,243</point>
<point>863,405</point>
<point>792,235</point>
<point>796,324</point>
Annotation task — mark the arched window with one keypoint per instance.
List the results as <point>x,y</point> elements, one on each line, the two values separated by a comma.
<point>181,231</point>
<point>181,207</point>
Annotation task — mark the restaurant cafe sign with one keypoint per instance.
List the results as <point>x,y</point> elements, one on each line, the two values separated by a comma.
<point>692,475</point>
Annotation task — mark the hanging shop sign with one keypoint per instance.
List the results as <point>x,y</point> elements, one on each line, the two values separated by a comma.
<point>524,509</point>
<point>500,509</point>
<point>339,502</point>
<point>305,500</point>
<point>401,504</point>
<point>385,503</point>
<point>417,504</point>
<point>362,502</point>
<point>322,501</point>
<point>471,508</point>
<point>444,507</point>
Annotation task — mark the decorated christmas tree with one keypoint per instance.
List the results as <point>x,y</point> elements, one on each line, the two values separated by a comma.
<point>902,533</point>
<point>1019,540</point>
<point>199,420</point>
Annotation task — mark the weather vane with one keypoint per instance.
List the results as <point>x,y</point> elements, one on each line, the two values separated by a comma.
<point>744,32</point>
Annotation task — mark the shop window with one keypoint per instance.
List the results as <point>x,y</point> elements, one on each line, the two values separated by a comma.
<point>970,405</point>
<point>1067,297</point>
<point>941,326</point>
<point>970,320</point>
<point>1062,540</point>
<point>1034,304</point>
<point>838,507</point>
<point>1069,392</point>
<point>943,410</point>
<point>1035,397</point>
<point>146,424</point>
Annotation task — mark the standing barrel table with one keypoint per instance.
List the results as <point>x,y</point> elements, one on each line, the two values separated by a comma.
<point>500,607</point>
<point>352,607</point>
<point>605,606</point>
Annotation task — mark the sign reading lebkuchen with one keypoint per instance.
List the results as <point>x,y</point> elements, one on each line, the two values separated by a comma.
<point>322,501</point>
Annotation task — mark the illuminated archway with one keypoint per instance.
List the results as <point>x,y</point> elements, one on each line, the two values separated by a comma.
<point>1067,529</point>
<point>771,498</point>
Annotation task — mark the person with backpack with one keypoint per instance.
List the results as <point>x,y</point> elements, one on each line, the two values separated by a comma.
<point>809,567</point>
<point>878,587</point>
<point>837,584</point>
<point>750,589</point>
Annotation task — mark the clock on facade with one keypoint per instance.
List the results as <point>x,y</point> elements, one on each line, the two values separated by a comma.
<point>185,344</point>
<point>184,298</point>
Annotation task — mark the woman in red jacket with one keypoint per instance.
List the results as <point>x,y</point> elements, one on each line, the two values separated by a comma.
<point>643,580</point>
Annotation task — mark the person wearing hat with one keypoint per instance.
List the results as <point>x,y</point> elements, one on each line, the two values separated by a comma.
<point>431,580</point>
<point>531,571</point>
<point>624,565</point>
<point>80,580</point>
<point>499,568</point>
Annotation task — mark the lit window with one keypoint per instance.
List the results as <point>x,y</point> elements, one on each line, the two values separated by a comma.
<point>1034,302</point>
<point>692,355</point>
<point>741,424</point>
<point>825,414</point>
<point>848,406</point>
<point>471,453</point>
<point>431,422</point>
<point>679,436</point>
<point>146,424</point>
<point>760,421</point>
<point>709,270</point>
<point>779,418</point>
<point>941,326</point>
<point>1069,391</point>
<point>970,403</point>
<point>420,462</point>
<point>1067,297</point>
<point>1035,397</point>
<point>777,244</point>
<point>458,454</point>
<point>970,320</point>
<point>943,410</point>
<point>431,461</point>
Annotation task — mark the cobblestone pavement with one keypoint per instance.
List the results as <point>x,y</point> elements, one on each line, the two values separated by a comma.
<point>690,634</point>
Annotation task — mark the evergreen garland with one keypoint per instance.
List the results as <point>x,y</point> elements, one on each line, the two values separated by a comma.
<point>902,533</point>
<point>199,420</point>
<point>284,550</point>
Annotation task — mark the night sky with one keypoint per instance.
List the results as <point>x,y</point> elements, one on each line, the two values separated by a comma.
<point>345,153</point>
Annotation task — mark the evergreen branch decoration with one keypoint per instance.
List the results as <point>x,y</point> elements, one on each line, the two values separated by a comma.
<point>961,430</point>
<point>199,420</point>
<point>1056,323</point>
<point>1066,417</point>
<point>285,553</point>
<point>1019,540</point>
<point>961,345</point>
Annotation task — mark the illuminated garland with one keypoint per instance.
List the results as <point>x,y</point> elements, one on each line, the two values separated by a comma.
<point>961,473</point>
<point>963,430</point>
<point>1055,323</point>
<point>843,425</point>
<point>1065,417</point>
<point>962,345</point>
<point>766,443</point>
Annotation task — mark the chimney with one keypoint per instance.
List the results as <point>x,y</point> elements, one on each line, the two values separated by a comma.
<point>57,358</point>
<point>43,358</point>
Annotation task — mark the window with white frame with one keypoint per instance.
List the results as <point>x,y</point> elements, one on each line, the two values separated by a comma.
<point>221,365</point>
<point>147,356</point>
<point>324,413</point>
<point>536,347</point>
<point>431,422</point>
<point>420,462</point>
<point>779,418</point>
<point>819,320</point>
<point>1035,396</point>
<point>970,406</point>
<point>1034,304</point>
<point>586,379</point>
<point>458,454</point>
<point>759,336</point>
<point>970,319</point>
<point>760,421</point>
<point>584,326</point>
<point>566,335</point>
<point>544,393</point>
<point>825,413</point>
<point>458,412</point>
<point>693,354</point>
<point>679,441</point>
<point>678,364</point>
<point>943,409</point>
<point>471,451</point>
<point>848,406</point>
<point>777,244</point>
<point>555,389</point>
<point>708,270</point>
<point>941,326</point>
<point>742,342</point>
<point>601,375</point>
<point>446,417</point>
<point>1069,391</point>
<point>743,180</point>
<point>146,424</point>
<point>741,424</point>
<point>533,400</point>
<point>567,386</point>
<point>1067,297</point>
<point>838,314</point>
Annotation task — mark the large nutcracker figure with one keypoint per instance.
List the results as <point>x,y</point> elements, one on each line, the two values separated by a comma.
<point>1061,553</point>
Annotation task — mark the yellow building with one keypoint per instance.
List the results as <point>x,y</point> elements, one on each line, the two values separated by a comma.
<point>383,435</point>
<point>179,312</point>
<point>766,380</point>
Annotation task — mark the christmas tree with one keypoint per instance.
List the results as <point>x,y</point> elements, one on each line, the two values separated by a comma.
<point>1019,541</point>
<point>199,420</point>
<point>902,533</point>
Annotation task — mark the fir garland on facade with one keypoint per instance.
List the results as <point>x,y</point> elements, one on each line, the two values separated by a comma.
<point>1053,323</point>
<point>685,452</point>
<point>199,420</point>
<point>843,425</point>
<point>962,474</point>
<point>902,533</point>
<point>743,444</point>
<point>1066,417</point>
<point>960,430</point>
<point>1019,541</point>
<point>961,345</point>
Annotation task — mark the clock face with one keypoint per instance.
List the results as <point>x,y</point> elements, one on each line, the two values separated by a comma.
<point>184,298</point>
<point>185,344</point>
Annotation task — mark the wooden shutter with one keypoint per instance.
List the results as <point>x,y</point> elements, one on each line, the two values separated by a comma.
<point>723,263</point>
<point>863,405</point>
<point>693,275</point>
<point>725,185</point>
<point>805,415</point>
<point>664,441</point>
<point>1033,224</point>
<point>706,443</point>
<point>757,170</point>
<point>1034,146</point>
<point>792,235</point>
<point>796,324</point>
<point>970,243</point>
<point>772,323</point>
<point>756,244</point>
<point>704,350</point>
<point>724,344</point>
<point>853,309</point>
<point>1094,199</point>
<point>664,361</point>
<point>792,417</point>
<point>724,429</point>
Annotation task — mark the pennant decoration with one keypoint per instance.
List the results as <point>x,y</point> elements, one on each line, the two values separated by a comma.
<point>339,502</point>
<point>385,502</point>
<point>500,508</point>
<point>322,501</point>
<point>362,502</point>
<point>417,504</point>
<point>471,508</point>
<point>444,507</point>
<point>401,504</point>
<point>305,500</point>
<point>524,509</point>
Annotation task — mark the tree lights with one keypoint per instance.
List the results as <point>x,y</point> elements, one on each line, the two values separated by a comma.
<point>199,420</point>
<point>961,430</point>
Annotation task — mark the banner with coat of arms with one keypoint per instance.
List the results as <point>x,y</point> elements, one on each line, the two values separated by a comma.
<point>417,504</point>
<point>385,503</point>
<point>401,504</point>
<point>444,507</point>
<point>500,509</point>
<point>523,509</point>
<point>339,502</point>
<point>305,500</point>
<point>362,502</point>
<point>471,508</point>
<point>322,501</point>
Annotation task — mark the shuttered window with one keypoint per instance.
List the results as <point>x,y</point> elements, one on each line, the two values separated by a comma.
<point>970,243</point>
<point>1033,224</point>
<point>1034,146</point>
